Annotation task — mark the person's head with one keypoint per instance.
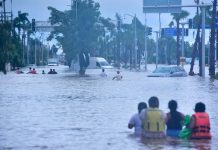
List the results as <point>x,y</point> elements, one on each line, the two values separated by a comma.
<point>153,102</point>
<point>102,70</point>
<point>33,68</point>
<point>172,105</point>
<point>142,105</point>
<point>43,71</point>
<point>30,68</point>
<point>50,69</point>
<point>118,72</point>
<point>200,107</point>
<point>18,68</point>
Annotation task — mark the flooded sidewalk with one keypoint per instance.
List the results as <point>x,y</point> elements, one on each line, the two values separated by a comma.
<point>67,112</point>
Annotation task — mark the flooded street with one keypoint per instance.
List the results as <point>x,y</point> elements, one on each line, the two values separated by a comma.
<point>66,112</point>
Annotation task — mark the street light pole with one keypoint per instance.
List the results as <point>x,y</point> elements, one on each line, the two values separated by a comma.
<point>203,42</point>
<point>157,47</point>
<point>182,39</point>
<point>145,52</point>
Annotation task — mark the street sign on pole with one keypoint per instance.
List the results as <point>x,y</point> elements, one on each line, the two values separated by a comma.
<point>149,6</point>
<point>173,32</point>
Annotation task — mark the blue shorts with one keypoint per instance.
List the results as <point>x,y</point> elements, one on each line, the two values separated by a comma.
<point>173,133</point>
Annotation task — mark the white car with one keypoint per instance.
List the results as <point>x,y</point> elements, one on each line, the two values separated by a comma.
<point>169,71</point>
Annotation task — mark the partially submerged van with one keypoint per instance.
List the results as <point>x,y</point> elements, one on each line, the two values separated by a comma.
<point>98,63</point>
<point>53,62</point>
<point>94,63</point>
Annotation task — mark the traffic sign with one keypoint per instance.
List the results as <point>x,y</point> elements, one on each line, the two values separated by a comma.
<point>173,32</point>
<point>193,25</point>
<point>150,6</point>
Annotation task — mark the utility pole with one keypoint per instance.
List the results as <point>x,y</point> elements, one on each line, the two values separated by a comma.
<point>35,50</point>
<point>203,42</point>
<point>216,56</point>
<point>4,10</point>
<point>182,39</point>
<point>157,48</point>
<point>145,52</point>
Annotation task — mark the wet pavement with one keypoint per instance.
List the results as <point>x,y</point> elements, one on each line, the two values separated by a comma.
<point>67,112</point>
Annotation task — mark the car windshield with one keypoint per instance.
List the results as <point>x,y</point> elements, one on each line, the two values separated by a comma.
<point>103,63</point>
<point>162,70</point>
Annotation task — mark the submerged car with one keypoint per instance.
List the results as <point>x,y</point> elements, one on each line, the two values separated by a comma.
<point>169,71</point>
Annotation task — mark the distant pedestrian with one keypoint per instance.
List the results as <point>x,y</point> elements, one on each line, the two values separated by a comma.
<point>18,71</point>
<point>30,70</point>
<point>173,120</point>
<point>54,72</point>
<point>103,74</point>
<point>118,76</point>
<point>33,71</point>
<point>50,71</point>
<point>135,120</point>
<point>43,71</point>
<point>200,123</point>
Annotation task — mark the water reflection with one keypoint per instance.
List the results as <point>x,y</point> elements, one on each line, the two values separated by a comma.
<point>66,112</point>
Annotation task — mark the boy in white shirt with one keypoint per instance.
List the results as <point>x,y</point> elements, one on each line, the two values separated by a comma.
<point>118,76</point>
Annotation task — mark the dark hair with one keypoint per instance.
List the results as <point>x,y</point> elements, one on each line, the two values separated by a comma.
<point>172,105</point>
<point>153,102</point>
<point>141,105</point>
<point>200,107</point>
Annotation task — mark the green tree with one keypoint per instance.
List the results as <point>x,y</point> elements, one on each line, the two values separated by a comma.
<point>77,30</point>
<point>177,17</point>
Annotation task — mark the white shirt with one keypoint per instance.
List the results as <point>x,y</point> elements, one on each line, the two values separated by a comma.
<point>103,74</point>
<point>137,123</point>
<point>118,77</point>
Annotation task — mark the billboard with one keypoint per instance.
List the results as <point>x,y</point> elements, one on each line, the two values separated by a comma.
<point>151,6</point>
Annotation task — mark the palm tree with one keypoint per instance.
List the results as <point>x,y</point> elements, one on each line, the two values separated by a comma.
<point>177,17</point>
<point>21,22</point>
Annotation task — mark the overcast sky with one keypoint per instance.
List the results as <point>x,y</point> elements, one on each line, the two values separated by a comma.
<point>38,9</point>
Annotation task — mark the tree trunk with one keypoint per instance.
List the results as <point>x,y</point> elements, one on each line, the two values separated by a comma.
<point>195,49</point>
<point>212,42</point>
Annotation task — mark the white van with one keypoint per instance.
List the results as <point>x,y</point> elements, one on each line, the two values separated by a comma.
<point>53,62</point>
<point>94,63</point>
<point>98,63</point>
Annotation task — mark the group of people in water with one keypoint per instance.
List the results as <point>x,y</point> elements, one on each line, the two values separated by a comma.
<point>33,71</point>
<point>118,76</point>
<point>152,122</point>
